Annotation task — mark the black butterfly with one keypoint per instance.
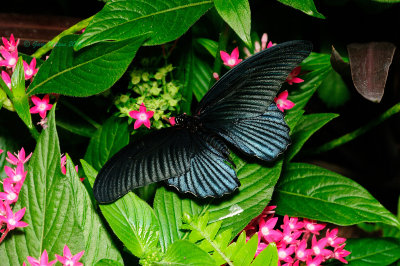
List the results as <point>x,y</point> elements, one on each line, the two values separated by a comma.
<point>192,155</point>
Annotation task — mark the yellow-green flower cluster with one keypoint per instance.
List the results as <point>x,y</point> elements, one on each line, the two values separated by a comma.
<point>155,89</point>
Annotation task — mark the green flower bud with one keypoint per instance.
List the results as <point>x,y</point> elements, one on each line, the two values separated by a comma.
<point>124,98</point>
<point>145,76</point>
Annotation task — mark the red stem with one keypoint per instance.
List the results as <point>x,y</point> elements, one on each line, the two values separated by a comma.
<point>4,235</point>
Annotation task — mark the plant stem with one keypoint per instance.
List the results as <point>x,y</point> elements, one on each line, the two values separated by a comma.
<point>222,43</point>
<point>81,114</point>
<point>51,44</point>
<point>356,133</point>
<point>35,134</point>
<point>4,235</point>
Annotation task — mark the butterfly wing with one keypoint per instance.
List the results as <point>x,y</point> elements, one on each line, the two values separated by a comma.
<point>209,174</point>
<point>250,87</point>
<point>157,156</point>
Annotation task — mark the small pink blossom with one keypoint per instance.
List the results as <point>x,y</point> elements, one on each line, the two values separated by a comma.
<point>318,247</point>
<point>10,194</point>
<point>312,226</point>
<point>314,261</point>
<point>69,260</point>
<point>11,45</point>
<point>282,102</point>
<point>44,260</point>
<point>302,252</point>
<point>232,59</point>
<point>267,230</point>
<point>292,77</point>
<point>292,223</point>
<point>41,105</point>
<point>10,58</point>
<point>16,175</point>
<point>1,151</point>
<point>18,158</point>
<point>172,121</point>
<point>216,76</point>
<point>285,253</point>
<point>6,78</point>
<point>64,163</point>
<point>142,117</point>
<point>13,220</point>
<point>264,40</point>
<point>333,239</point>
<point>339,253</point>
<point>289,236</point>
<point>30,70</point>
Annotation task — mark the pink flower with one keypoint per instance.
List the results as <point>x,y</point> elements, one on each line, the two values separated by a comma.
<point>44,260</point>
<point>332,238</point>
<point>30,70</point>
<point>289,237</point>
<point>216,76</point>
<point>232,59</point>
<point>264,39</point>
<point>18,158</point>
<point>41,105</point>
<point>11,45</point>
<point>13,220</point>
<point>142,116</point>
<point>301,251</point>
<point>292,77</point>
<point>339,253</point>
<point>284,253</point>
<point>10,194</point>
<point>292,223</point>
<point>63,163</point>
<point>312,226</point>
<point>17,175</point>
<point>1,151</point>
<point>282,102</point>
<point>314,262</point>
<point>68,259</point>
<point>6,78</point>
<point>172,121</point>
<point>267,232</point>
<point>318,247</point>
<point>10,59</point>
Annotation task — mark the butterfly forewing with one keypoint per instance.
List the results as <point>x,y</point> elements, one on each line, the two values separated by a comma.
<point>157,156</point>
<point>250,87</point>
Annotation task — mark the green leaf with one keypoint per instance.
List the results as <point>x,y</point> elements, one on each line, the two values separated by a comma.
<point>107,140</point>
<point>333,91</point>
<point>182,252</point>
<point>124,19</point>
<point>372,251</point>
<point>86,72</point>
<point>244,256</point>
<point>306,127</point>
<point>201,76</point>
<point>131,219</point>
<point>19,97</point>
<point>169,208</point>
<point>185,76</point>
<point>85,131</point>
<point>107,262</point>
<point>306,6</point>
<point>267,257</point>
<point>49,203</point>
<point>313,192</point>
<point>94,231</point>
<point>236,14</point>
<point>210,45</point>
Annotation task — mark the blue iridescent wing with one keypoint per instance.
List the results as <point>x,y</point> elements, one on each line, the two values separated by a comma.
<point>209,174</point>
<point>250,87</point>
<point>264,136</point>
<point>157,156</point>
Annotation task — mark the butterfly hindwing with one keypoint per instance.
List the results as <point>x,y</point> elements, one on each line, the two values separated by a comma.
<point>157,156</point>
<point>264,136</point>
<point>250,87</point>
<point>209,174</point>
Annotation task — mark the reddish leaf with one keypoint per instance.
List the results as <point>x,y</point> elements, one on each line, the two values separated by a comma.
<point>369,65</point>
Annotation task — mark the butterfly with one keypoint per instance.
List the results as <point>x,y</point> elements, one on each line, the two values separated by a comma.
<point>193,155</point>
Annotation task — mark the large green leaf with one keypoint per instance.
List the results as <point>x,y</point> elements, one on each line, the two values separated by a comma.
<point>132,220</point>
<point>372,251</point>
<point>49,203</point>
<point>304,129</point>
<point>313,192</point>
<point>306,6</point>
<point>201,76</point>
<point>108,139</point>
<point>19,97</point>
<point>267,257</point>
<point>333,91</point>
<point>94,231</point>
<point>183,252</point>
<point>87,72</point>
<point>237,14</point>
<point>124,19</point>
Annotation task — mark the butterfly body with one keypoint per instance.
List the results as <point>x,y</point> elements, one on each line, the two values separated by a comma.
<point>193,155</point>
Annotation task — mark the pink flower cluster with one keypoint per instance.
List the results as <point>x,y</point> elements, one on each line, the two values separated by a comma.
<point>67,259</point>
<point>11,187</point>
<point>297,241</point>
